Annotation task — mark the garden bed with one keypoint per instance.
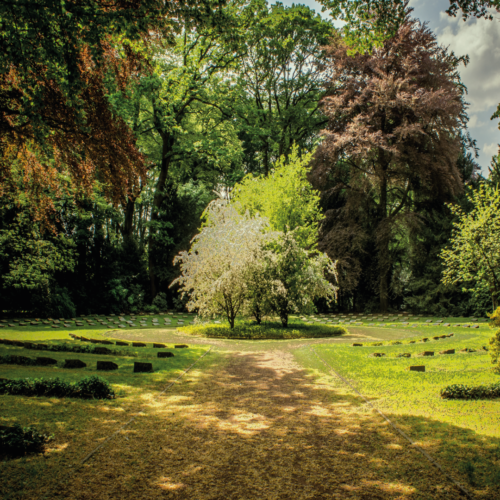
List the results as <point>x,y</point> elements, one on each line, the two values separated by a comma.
<point>251,331</point>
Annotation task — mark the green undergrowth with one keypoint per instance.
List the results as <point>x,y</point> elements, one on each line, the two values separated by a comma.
<point>251,331</point>
<point>454,431</point>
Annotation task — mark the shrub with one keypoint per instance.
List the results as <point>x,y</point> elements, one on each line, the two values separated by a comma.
<point>19,440</point>
<point>245,330</point>
<point>494,351</point>
<point>459,391</point>
<point>495,318</point>
<point>88,388</point>
<point>17,360</point>
<point>85,349</point>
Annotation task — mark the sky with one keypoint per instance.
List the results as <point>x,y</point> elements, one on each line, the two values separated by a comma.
<point>480,40</point>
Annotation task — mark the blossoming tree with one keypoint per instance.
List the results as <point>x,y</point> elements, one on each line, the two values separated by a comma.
<point>213,271</point>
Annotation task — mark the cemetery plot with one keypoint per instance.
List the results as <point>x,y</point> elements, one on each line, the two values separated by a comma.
<point>405,381</point>
<point>78,425</point>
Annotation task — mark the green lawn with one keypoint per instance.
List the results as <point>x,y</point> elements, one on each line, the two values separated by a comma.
<point>463,435</point>
<point>78,425</point>
<point>23,328</point>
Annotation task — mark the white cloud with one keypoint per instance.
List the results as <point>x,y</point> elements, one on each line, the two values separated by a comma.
<point>490,150</point>
<point>480,39</point>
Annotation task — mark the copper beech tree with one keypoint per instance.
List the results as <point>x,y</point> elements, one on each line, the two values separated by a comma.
<point>393,136</point>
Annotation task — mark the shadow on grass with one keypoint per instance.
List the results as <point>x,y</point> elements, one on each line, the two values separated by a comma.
<point>249,426</point>
<point>261,427</point>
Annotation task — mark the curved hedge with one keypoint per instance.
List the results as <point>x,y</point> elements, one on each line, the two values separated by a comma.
<point>249,331</point>
<point>87,388</point>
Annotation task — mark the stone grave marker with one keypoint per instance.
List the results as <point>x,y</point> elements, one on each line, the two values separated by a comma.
<point>74,363</point>
<point>165,354</point>
<point>106,365</point>
<point>142,367</point>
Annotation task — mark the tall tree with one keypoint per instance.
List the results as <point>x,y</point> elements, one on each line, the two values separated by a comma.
<point>279,81</point>
<point>55,58</point>
<point>395,117</point>
<point>473,256</point>
<point>178,114</point>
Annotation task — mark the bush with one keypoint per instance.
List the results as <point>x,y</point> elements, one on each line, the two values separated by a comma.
<point>494,351</point>
<point>495,318</point>
<point>458,391</point>
<point>17,360</point>
<point>88,388</point>
<point>85,349</point>
<point>247,330</point>
<point>19,440</point>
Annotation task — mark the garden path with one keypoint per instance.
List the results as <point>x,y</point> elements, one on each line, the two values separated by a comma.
<point>257,425</point>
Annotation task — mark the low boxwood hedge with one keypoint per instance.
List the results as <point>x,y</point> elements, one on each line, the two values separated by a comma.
<point>459,391</point>
<point>9,359</point>
<point>92,387</point>
<point>17,440</point>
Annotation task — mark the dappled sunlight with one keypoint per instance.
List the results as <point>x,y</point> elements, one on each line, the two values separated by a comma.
<point>258,427</point>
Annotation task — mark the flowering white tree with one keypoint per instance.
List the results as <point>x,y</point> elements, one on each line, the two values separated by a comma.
<point>236,265</point>
<point>213,272</point>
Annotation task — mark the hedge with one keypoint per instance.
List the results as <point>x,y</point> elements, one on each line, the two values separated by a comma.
<point>458,391</point>
<point>17,440</point>
<point>87,388</point>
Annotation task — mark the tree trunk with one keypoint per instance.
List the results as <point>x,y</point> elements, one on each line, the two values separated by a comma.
<point>128,223</point>
<point>158,199</point>
<point>284,318</point>
<point>383,250</point>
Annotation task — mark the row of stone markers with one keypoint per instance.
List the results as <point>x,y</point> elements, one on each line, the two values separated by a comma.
<point>139,367</point>
<point>110,321</point>
<point>368,319</point>
<point>426,353</point>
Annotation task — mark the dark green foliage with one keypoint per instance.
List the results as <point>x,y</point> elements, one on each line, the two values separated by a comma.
<point>87,388</point>
<point>494,348</point>
<point>10,359</point>
<point>459,391</point>
<point>19,440</point>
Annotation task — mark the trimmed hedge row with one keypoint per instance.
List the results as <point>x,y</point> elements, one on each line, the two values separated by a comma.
<point>459,391</point>
<point>17,360</point>
<point>17,440</point>
<point>92,387</point>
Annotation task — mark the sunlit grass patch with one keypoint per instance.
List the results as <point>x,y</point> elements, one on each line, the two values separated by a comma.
<point>456,432</point>
<point>79,426</point>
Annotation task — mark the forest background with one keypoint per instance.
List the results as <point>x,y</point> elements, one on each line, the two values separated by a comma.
<point>119,123</point>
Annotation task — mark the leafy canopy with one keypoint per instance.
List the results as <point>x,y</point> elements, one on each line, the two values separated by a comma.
<point>473,257</point>
<point>286,198</point>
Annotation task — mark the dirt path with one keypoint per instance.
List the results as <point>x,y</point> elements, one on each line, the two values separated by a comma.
<point>255,425</point>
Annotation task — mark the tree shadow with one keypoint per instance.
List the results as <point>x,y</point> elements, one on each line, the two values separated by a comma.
<point>257,425</point>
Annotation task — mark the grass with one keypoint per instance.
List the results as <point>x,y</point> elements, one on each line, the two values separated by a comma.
<point>247,330</point>
<point>463,435</point>
<point>78,425</point>
<point>91,325</point>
